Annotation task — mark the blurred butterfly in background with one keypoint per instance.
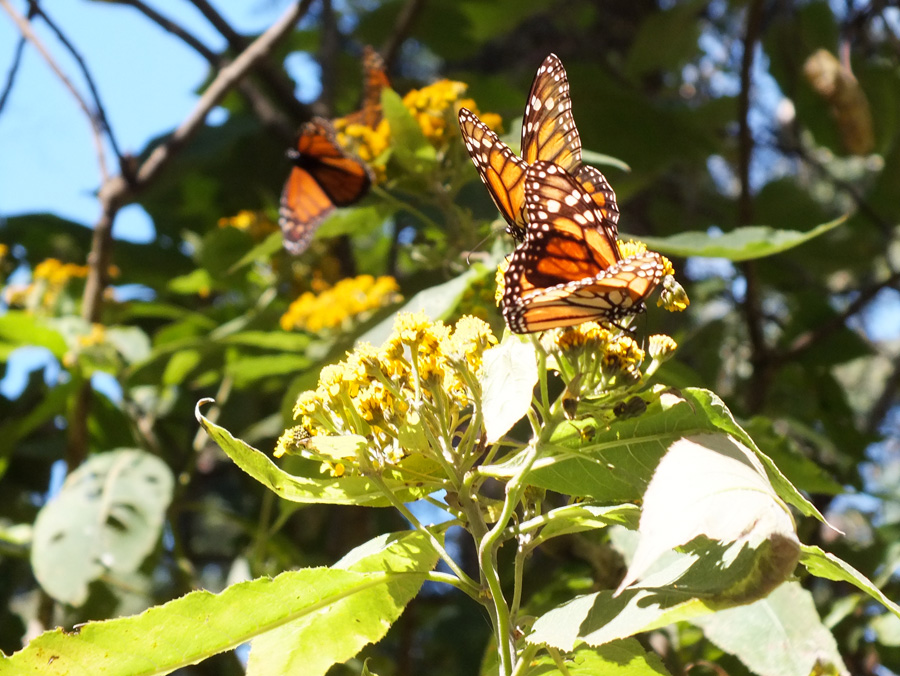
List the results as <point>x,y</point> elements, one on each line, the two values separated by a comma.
<point>325,175</point>
<point>548,133</point>
<point>569,270</point>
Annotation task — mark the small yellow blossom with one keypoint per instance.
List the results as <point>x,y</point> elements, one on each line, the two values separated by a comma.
<point>673,297</point>
<point>95,337</point>
<point>254,223</point>
<point>661,347</point>
<point>339,307</point>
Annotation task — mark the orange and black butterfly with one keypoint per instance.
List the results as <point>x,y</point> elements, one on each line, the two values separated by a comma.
<point>325,175</point>
<point>548,133</point>
<point>375,81</point>
<point>569,269</point>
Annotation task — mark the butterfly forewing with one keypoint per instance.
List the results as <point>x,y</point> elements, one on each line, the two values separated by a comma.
<point>501,170</point>
<point>548,128</point>
<point>375,80</point>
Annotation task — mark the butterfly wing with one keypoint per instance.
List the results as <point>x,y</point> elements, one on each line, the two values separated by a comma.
<point>548,128</point>
<point>375,80</point>
<point>569,270</point>
<point>324,176</point>
<point>501,170</point>
<point>596,185</point>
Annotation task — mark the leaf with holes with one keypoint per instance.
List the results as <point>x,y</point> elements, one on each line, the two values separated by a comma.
<point>106,519</point>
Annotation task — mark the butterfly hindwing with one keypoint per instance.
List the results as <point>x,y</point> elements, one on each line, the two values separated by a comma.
<point>569,269</point>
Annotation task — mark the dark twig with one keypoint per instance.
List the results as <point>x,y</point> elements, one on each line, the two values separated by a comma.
<point>100,112</point>
<point>280,85</point>
<point>13,70</point>
<point>24,27</point>
<point>329,45</point>
<point>259,103</point>
<point>405,20</point>
<point>809,338</point>
<point>752,302</point>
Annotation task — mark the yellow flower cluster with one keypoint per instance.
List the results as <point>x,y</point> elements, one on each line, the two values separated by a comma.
<point>350,300</point>
<point>435,108</point>
<point>254,223</point>
<point>424,377</point>
<point>601,358</point>
<point>366,142</point>
<point>49,279</point>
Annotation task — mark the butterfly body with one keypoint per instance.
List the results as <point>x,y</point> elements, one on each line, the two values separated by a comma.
<point>569,270</point>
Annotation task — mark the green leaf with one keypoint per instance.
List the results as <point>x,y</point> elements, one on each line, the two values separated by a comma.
<point>619,658</point>
<point>600,618</point>
<point>311,644</point>
<point>347,490</point>
<point>18,329</point>
<point>269,340</point>
<point>665,40</point>
<point>507,382</point>
<point>711,485</point>
<point>830,567</point>
<point>741,244</point>
<point>437,302</point>
<point>106,519</point>
<point>338,447</point>
<point>780,635</point>
<point>411,148</point>
<point>201,624</point>
<point>261,252</point>
<point>247,370</point>
<point>590,157</point>
<point>581,517</point>
<point>354,221</point>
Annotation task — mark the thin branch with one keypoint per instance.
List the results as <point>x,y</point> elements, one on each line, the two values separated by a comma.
<point>328,52</point>
<point>752,303</point>
<point>13,70</point>
<point>100,112</point>
<point>178,31</point>
<point>809,338</point>
<point>225,80</point>
<point>268,114</point>
<point>24,27</point>
<point>281,86</point>
<point>405,20</point>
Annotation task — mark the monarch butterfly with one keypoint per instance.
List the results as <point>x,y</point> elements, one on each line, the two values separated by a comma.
<point>548,133</point>
<point>324,177</point>
<point>375,80</point>
<point>569,269</point>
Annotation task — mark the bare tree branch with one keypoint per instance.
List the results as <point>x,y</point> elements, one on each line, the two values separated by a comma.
<point>13,70</point>
<point>751,306</point>
<point>100,112</point>
<point>405,20</point>
<point>24,27</point>
<point>259,103</point>
<point>279,84</point>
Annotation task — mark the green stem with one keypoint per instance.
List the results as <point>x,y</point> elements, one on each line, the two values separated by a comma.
<point>464,579</point>
<point>405,206</point>
<point>487,558</point>
<point>524,664</point>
